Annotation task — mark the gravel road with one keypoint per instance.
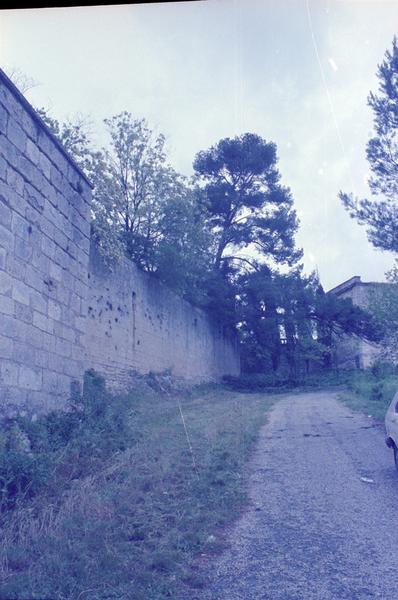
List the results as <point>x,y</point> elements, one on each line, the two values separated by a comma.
<point>314,529</point>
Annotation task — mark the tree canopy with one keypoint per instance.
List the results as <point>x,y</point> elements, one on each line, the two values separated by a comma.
<point>218,240</point>
<point>247,205</point>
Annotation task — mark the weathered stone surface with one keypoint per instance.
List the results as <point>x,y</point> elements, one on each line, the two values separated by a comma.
<point>30,378</point>
<point>134,322</point>
<point>56,320</point>
<point>16,135</point>
<point>3,119</point>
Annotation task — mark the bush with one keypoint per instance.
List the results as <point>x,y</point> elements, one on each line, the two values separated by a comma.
<point>62,445</point>
<point>255,382</point>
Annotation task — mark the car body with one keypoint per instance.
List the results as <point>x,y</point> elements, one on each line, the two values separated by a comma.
<point>391,423</point>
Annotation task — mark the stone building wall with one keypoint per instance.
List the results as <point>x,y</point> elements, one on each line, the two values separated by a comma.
<point>47,337</point>
<point>137,324</point>
<point>44,248</point>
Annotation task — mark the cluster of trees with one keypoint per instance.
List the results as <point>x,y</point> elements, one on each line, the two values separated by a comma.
<point>219,239</point>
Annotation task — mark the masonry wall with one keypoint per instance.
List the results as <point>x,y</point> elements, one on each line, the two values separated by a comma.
<point>60,315</point>
<point>137,324</point>
<point>44,251</point>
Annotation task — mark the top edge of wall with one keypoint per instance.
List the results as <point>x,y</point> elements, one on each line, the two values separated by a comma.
<point>29,108</point>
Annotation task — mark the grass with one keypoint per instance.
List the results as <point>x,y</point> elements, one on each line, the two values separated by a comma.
<point>127,509</point>
<point>370,392</point>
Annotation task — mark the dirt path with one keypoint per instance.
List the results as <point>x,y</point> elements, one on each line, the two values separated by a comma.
<point>314,530</point>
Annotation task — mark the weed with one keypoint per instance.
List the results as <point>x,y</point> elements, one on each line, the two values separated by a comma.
<point>120,512</point>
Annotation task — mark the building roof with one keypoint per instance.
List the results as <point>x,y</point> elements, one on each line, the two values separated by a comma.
<point>353,282</point>
<point>39,121</point>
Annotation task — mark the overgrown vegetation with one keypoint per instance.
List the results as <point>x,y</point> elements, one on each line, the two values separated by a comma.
<point>371,391</point>
<point>219,239</point>
<point>111,503</point>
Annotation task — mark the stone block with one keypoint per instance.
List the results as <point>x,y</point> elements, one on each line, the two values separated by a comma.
<point>9,372</point>
<point>10,198</point>
<point>32,152</point>
<point>75,303</point>
<point>6,305</point>
<point>62,240</point>
<point>30,172</point>
<point>15,180</point>
<point>54,310</point>
<point>73,369</point>
<point>23,353</point>
<point>9,150</point>
<point>3,168</point>
<point>68,315</point>
<point>47,228</point>
<point>35,337</point>
<point>80,324</point>
<point>6,239</point>
<point>62,163</point>
<point>23,313</point>
<point>41,358</point>
<point>21,227</point>
<point>36,280</point>
<point>48,341</point>
<point>48,247</point>
<point>6,284</point>
<point>71,249</point>
<point>16,267</point>
<point>45,165</point>
<point>63,259</point>
<point>54,215</point>
<point>43,322</point>
<point>45,144</point>
<point>5,214</point>
<point>56,382</point>
<point>78,221</point>
<point>56,178</point>
<point>3,119</point>
<point>12,328</point>
<point>21,292</point>
<point>38,301</point>
<point>30,378</point>
<point>16,135</point>
<point>3,257</point>
<point>55,271</point>
<point>30,126</point>
<point>63,295</point>
<point>34,217</point>
<point>6,346</point>
<point>63,205</point>
<point>12,105</point>
<point>23,249</point>
<point>34,197</point>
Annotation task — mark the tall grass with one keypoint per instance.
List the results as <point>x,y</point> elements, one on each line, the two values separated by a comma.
<point>126,501</point>
<point>371,391</point>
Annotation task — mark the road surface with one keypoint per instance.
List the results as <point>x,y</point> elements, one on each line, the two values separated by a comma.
<point>315,529</point>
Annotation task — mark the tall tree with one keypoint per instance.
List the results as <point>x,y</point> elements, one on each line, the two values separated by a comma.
<point>247,205</point>
<point>380,214</point>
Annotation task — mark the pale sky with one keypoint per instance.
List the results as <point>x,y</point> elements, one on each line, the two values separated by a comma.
<point>296,72</point>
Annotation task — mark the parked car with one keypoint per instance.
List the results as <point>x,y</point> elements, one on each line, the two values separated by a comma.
<point>391,422</point>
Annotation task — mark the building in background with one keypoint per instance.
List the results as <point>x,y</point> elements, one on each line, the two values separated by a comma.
<point>352,352</point>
